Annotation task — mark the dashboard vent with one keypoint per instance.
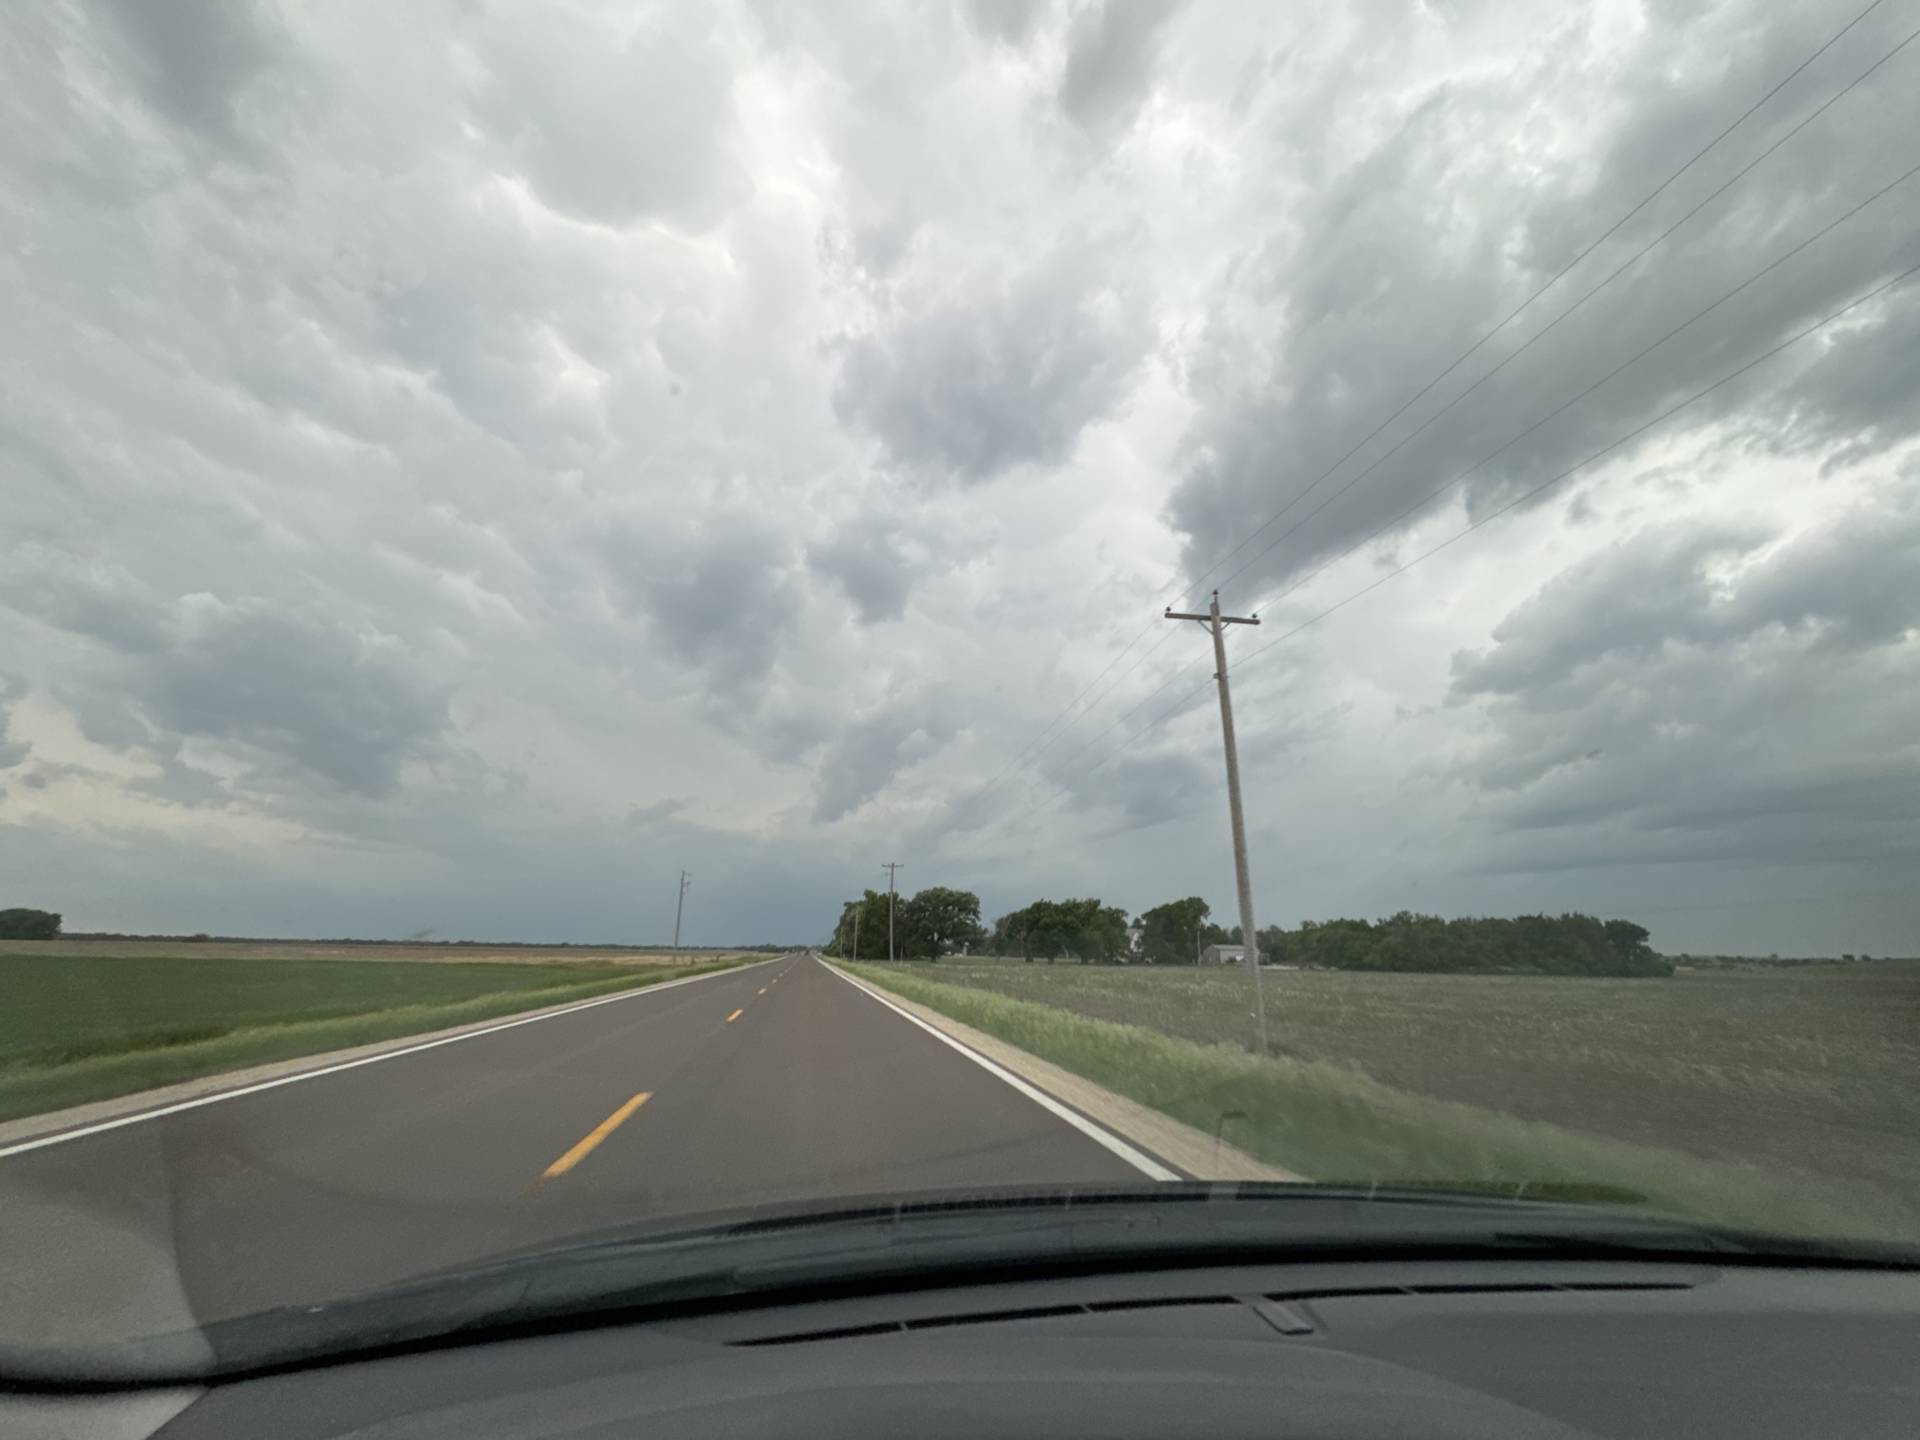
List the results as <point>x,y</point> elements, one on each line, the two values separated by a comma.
<point>1275,1308</point>
<point>983,1317</point>
<point>1494,1287</point>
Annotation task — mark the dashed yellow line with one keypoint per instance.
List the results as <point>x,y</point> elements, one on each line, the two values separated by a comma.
<point>594,1136</point>
<point>735,1016</point>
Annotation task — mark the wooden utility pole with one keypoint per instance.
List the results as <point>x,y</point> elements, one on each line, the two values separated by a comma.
<point>1216,624</point>
<point>858,907</point>
<point>679,905</point>
<point>890,867</point>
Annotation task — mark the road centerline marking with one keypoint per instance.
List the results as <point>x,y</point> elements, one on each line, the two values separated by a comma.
<point>594,1136</point>
<point>735,1016</point>
<point>763,989</point>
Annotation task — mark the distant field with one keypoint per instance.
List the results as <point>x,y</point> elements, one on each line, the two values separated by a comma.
<point>77,1026</point>
<point>321,950</point>
<point>1809,1079</point>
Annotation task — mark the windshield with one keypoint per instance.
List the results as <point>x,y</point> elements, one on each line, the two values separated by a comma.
<point>621,616</point>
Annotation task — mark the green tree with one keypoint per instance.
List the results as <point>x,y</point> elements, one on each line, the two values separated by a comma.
<point>1107,935</point>
<point>24,924</point>
<point>871,908</point>
<point>1171,934</point>
<point>938,920</point>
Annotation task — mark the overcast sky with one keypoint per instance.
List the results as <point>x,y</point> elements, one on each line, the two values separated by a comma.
<point>464,462</point>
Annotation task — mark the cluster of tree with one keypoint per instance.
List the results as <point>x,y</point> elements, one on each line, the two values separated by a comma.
<point>1178,932</point>
<point>1083,930</point>
<point>1091,930</point>
<point>23,924</point>
<point>937,921</point>
<point>1527,944</point>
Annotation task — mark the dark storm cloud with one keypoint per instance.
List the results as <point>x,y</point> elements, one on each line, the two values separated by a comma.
<point>866,755</point>
<point>1713,695</point>
<point>195,58</point>
<point>431,435</point>
<point>106,604</point>
<point>718,593</point>
<point>1110,60</point>
<point>1000,369</point>
<point>869,558</point>
<point>1336,319</point>
<point>1149,789</point>
<point>349,706</point>
<point>295,688</point>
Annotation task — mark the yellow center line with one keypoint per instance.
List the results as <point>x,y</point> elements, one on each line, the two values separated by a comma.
<point>735,1016</point>
<point>763,989</point>
<point>594,1136</point>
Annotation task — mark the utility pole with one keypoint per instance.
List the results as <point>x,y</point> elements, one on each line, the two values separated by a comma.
<point>1216,625</point>
<point>680,904</point>
<point>856,931</point>
<point>890,867</point>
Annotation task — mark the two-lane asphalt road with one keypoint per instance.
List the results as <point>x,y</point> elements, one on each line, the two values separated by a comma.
<point>775,1082</point>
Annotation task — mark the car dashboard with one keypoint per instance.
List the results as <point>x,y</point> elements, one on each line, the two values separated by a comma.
<point>1352,1349</point>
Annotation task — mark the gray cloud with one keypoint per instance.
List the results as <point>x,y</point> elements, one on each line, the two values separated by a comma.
<point>293,687</point>
<point>1008,21</point>
<point>196,58</point>
<point>458,461</point>
<point>719,594</point>
<point>349,706</point>
<point>1336,318</point>
<point>867,754</point>
<point>107,605</point>
<point>1007,370</point>
<point>12,752</point>
<point>1711,695</point>
<point>613,120</point>
<point>1110,60</point>
<point>870,558</point>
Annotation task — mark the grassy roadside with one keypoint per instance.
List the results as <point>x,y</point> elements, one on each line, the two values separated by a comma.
<point>1330,1123</point>
<point>188,1032</point>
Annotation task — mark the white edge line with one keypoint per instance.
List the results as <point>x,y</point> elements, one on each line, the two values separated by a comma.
<point>1137,1158</point>
<point>62,1136</point>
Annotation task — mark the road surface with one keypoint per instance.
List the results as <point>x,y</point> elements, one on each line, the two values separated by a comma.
<point>772,1083</point>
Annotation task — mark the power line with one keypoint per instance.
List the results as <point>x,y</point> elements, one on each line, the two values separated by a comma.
<point>1558,410</point>
<point>1575,399</point>
<point>1557,277</point>
<point>1041,739</point>
<point>1513,504</point>
<point>1624,266</point>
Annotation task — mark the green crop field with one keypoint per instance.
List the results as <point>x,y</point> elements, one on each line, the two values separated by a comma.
<point>76,1027</point>
<point>1797,1085</point>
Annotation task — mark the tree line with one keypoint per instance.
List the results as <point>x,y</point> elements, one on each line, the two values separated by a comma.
<point>1570,944</point>
<point>21,923</point>
<point>941,921</point>
<point>937,921</point>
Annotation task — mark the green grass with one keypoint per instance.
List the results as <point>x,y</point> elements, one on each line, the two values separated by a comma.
<point>1550,1049</point>
<point>76,1028</point>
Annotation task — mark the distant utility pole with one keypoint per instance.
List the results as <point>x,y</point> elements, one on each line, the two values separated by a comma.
<point>890,867</point>
<point>1216,624</point>
<point>856,932</point>
<point>680,904</point>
